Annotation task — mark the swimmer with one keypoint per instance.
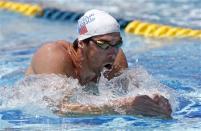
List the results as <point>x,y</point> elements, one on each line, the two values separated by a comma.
<point>96,48</point>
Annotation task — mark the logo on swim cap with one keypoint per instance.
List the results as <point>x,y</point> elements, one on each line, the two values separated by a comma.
<point>83,22</point>
<point>96,22</point>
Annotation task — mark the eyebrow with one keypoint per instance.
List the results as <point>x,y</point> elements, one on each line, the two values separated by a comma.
<point>109,40</point>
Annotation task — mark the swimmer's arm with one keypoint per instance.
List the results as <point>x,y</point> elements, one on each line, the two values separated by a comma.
<point>139,105</point>
<point>119,64</point>
<point>80,110</point>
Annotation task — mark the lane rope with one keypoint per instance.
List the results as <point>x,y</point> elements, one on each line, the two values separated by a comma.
<point>133,27</point>
<point>161,31</point>
<point>22,8</point>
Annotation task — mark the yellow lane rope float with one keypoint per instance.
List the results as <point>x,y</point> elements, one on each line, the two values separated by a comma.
<point>22,8</point>
<point>161,31</point>
<point>134,27</point>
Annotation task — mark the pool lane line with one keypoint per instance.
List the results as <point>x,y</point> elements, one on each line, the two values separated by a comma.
<point>161,31</point>
<point>133,27</point>
<point>56,14</point>
<point>48,13</point>
<point>22,8</point>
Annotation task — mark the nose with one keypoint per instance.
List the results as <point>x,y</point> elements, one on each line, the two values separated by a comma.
<point>113,50</point>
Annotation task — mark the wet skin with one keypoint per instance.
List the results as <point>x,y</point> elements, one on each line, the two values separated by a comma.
<point>85,64</point>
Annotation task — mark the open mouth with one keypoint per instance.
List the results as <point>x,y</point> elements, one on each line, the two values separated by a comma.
<point>108,66</point>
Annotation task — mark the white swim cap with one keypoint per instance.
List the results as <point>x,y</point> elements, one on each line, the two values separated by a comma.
<point>95,22</point>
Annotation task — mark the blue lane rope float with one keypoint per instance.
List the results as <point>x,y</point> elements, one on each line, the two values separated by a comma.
<point>75,17</point>
<point>123,23</point>
<point>133,27</point>
<point>55,14</point>
<point>47,13</point>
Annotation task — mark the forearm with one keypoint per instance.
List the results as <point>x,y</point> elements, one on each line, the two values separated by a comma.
<point>81,109</point>
<point>119,106</point>
<point>139,105</point>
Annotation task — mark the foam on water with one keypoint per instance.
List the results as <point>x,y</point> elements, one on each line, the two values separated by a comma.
<point>40,94</point>
<point>36,91</point>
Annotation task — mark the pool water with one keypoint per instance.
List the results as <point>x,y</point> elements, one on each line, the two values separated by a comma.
<point>173,63</point>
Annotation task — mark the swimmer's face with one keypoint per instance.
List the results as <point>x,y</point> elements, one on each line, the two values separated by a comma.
<point>106,44</point>
<point>102,50</point>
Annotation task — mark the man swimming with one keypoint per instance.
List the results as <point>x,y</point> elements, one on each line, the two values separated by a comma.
<point>97,47</point>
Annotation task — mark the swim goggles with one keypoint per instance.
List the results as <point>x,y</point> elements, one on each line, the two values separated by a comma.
<point>106,45</point>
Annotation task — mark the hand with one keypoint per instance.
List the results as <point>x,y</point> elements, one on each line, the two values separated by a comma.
<point>144,105</point>
<point>113,72</point>
<point>163,103</point>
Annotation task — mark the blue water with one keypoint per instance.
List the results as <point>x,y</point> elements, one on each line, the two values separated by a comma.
<point>175,63</point>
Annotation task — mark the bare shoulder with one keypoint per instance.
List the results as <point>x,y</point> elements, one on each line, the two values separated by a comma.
<point>51,58</point>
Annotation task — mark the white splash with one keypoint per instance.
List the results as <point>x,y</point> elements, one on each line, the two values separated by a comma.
<point>38,93</point>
